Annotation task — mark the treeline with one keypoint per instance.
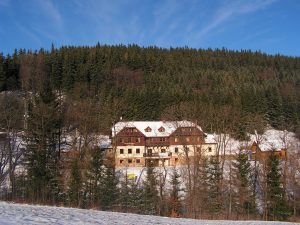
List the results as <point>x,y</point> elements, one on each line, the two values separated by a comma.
<point>241,90</point>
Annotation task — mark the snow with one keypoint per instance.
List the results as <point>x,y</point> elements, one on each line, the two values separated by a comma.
<point>269,140</point>
<point>210,138</point>
<point>169,126</point>
<point>17,214</point>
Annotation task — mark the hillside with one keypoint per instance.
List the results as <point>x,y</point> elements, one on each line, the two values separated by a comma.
<point>223,90</point>
<point>16,214</point>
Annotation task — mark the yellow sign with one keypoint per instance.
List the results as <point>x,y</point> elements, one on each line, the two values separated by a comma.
<point>131,176</point>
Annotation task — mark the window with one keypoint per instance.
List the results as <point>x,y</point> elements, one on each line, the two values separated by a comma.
<point>161,129</point>
<point>176,150</point>
<point>148,129</point>
<point>176,160</point>
<point>162,139</point>
<point>187,139</point>
<point>128,140</point>
<point>176,139</point>
<point>129,160</point>
<point>137,140</point>
<point>209,149</point>
<point>137,151</point>
<point>129,151</point>
<point>121,151</point>
<point>134,130</point>
<point>121,161</point>
<point>163,150</point>
<point>137,160</point>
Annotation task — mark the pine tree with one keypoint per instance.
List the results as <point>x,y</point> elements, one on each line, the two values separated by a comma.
<point>43,122</point>
<point>94,178</point>
<point>109,189</point>
<point>245,202</point>
<point>277,204</point>
<point>2,74</point>
<point>175,204</point>
<point>124,197</point>
<point>75,185</point>
<point>150,193</point>
<point>214,186</point>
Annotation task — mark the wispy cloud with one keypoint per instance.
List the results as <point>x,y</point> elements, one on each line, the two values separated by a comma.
<point>49,10</point>
<point>29,33</point>
<point>230,10</point>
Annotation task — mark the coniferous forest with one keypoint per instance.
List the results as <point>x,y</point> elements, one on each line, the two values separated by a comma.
<point>80,92</point>
<point>247,88</point>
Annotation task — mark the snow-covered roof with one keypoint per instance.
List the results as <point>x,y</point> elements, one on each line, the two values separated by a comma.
<point>271,139</point>
<point>210,138</point>
<point>275,139</point>
<point>169,127</point>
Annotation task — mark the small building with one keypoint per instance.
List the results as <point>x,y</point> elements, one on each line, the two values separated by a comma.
<point>256,153</point>
<point>164,143</point>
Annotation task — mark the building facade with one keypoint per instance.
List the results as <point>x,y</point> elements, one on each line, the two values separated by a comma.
<point>256,153</point>
<point>164,143</point>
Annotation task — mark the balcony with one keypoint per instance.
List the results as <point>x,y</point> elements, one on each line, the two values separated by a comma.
<point>158,155</point>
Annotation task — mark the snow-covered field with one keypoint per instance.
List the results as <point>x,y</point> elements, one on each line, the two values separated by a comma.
<point>18,214</point>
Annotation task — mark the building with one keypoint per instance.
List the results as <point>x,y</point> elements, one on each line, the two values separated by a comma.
<point>164,143</point>
<point>256,153</point>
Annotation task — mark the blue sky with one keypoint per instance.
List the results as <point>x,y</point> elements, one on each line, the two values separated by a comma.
<point>272,26</point>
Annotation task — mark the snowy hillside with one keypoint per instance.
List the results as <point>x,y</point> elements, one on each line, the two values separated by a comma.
<point>16,214</point>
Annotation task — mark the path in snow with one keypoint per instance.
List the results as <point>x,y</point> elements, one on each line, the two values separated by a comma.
<point>17,214</point>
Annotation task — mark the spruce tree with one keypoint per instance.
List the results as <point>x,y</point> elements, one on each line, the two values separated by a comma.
<point>75,185</point>
<point>94,178</point>
<point>245,199</point>
<point>2,74</point>
<point>214,186</point>
<point>175,204</point>
<point>124,197</point>
<point>277,204</point>
<point>109,189</point>
<point>42,158</point>
<point>150,192</point>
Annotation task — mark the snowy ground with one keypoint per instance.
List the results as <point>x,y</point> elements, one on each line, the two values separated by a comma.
<point>28,214</point>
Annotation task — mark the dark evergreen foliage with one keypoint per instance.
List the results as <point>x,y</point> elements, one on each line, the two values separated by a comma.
<point>214,187</point>
<point>175,201</point>
<point>149,83</point>
<point>245,198</point>
<point>75,185</point>
<point>109,190</point>
<point>94,178</point>
<point>277,204</point>
<point>149,191</point>
<point>42,135</point>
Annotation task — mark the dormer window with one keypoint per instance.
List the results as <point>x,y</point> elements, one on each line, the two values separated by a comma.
<point>148,129</point>
<point>161,129</point>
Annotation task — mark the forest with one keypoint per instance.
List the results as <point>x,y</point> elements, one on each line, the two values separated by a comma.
<point>54,105</point>
<point>247,88</point>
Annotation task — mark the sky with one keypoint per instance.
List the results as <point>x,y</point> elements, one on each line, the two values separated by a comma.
<point>270,26</point>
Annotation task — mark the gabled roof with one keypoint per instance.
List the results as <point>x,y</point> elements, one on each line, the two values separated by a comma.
<point>169,127</point>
